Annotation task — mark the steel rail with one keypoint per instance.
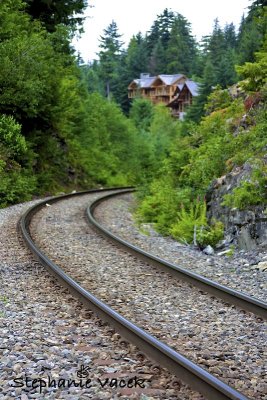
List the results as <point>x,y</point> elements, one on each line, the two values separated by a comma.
<point>225,293</point>
<point>198,379</point>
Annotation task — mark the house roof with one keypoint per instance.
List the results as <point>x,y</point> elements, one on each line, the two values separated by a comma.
<point>170,79</point>
<point>193,87</point>
<point>146,82</point>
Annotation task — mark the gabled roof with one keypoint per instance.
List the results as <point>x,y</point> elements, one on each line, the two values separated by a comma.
<point>143,82</point>
<point>193,87</point>
<point>146,82</point>
<point>170,79</point>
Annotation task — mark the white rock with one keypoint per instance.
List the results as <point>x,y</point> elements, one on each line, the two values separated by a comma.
<point>221,253</point>
<point>208,250</point>
<point>262,266</point>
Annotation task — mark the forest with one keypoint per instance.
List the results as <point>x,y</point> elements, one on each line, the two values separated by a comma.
<point>67,125</point>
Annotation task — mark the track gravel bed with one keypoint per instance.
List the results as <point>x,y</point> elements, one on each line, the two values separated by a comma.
<point>229,343</point>
<point>45,332</point>
<point>238,272</point>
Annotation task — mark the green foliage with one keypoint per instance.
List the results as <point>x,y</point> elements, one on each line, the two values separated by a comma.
<point>218,99</point>
<point>57,133</point>
<point>229,135</point>
<point>16,181</point>
<point>163,130</point>
<point>249,192</point>
<point>189,221</point>
<point>141,113</point>
<point>255,74</point>
<point>181,50</point>
<point>191,226</point>
<point>10,136</point>
<point>160,206</point>
<point>53,13</point>
<point>196,111</point>
<point>110,57</point>
<point>16,186</point>
<point>252,30</point>
<point>67,135</point>
<point>197,155</point>
<point>210,234</point>
<point>136,56</point>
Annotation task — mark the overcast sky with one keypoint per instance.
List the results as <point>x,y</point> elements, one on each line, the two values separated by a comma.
<point>133,16</point>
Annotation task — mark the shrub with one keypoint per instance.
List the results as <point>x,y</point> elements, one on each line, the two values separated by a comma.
<point>188,221</point>
<point>210,235</point>
<point>192,226</point>
<point>249,192</point>
<point>16,183</point>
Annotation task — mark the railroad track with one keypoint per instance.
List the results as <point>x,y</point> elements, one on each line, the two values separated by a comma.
<point>225,293</point>
<point>198,378</point>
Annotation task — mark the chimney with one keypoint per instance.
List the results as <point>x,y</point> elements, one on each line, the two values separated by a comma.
<point>144,75</point>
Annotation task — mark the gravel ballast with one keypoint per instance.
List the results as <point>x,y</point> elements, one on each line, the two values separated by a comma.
<point>47,334</point>
<point>241,271</point>
<point>227,342</point>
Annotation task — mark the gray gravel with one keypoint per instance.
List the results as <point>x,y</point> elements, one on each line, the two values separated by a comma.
<point>46,333</point>
<point>227,342</point>
<point>243,271</point>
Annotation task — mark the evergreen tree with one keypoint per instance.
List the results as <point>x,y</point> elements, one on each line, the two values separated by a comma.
<point>216,45</point>
<point>157,61</point>
<point>91,78</point>
<point>52,13</point>
<point>141,113</point>
<point>120,84</point>
<point>255,74</point>
<point>230,36</point>
<point>136,57</point>
<point>226,75</point>
<point>256,7</point>
<point>110,56</point>
<point>250,40</point>
<point>160,30</point>
<point>181,50</point>
<point>252,31</point>
<point>219,49</point>
<point>196,111</point>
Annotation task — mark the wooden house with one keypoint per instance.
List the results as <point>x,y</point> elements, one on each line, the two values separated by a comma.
<point>183,98</point>
<point>158,89</point>
<point>175,91</point>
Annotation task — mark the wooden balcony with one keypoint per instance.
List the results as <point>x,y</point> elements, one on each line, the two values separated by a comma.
<point>163,92</point>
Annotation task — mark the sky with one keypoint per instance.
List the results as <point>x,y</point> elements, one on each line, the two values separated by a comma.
<point>132,16</point>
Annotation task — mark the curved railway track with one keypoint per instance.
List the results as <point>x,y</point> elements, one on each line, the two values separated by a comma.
<point>225,293</point>
<point>199,379</point>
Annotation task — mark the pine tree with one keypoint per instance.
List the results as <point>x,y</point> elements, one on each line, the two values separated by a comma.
<point>255,74</point>
<point>196,111</point>
<point>226,74</point>
<point>230,36</point>
<point>252,31</point>
<point>137,57</point>
<point>181,50</point>
<point>249,42</point>
<point>52,13</point>
<point>110,55</point>
<point>160,30</point>
<point>157,61</point>
<point>216,45</point>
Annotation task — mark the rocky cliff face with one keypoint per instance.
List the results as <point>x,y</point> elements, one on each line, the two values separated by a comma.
<point>246,228</point>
